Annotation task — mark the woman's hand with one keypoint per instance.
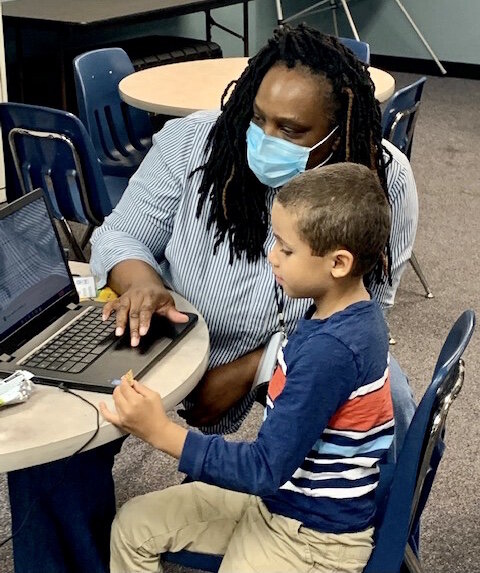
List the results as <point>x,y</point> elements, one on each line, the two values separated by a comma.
<point>137,305</point>
<point>142,294</point>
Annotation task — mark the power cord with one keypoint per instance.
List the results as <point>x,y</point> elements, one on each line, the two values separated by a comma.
<point>62,477</point>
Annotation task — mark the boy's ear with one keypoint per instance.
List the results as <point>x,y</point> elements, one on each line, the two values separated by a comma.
<point>342,263</point>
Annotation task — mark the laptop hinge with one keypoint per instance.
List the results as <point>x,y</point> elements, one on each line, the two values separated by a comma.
<point>6,357</point>
<point>73,306</point>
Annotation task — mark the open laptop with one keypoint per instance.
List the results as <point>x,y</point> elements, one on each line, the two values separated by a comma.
<point>44,329</point>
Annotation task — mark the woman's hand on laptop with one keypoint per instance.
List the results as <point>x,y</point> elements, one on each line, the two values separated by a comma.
<point>136,307</point>
<point>140,411</point>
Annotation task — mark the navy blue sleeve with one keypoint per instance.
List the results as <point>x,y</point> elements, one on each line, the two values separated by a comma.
<point>320,377</point>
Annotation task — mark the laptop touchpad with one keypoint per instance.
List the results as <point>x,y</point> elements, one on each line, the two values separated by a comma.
<point>160,328</point>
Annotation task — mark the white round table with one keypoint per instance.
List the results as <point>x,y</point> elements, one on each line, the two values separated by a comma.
<point>180,89</point>
<point>52,424</point>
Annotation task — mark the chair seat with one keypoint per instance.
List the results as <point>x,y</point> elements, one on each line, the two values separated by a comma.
<point>192,559</point>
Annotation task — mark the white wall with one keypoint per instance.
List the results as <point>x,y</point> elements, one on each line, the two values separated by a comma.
<point>451,27</point>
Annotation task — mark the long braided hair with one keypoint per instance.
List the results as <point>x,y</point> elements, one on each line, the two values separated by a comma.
<point>236,198</point>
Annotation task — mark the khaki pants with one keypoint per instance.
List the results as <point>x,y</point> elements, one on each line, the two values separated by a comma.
<point>209,519</point>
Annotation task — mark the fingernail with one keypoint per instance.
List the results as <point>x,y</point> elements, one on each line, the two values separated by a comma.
<point>118,331</point>
<point>135,340</point>
<point>143,330</point>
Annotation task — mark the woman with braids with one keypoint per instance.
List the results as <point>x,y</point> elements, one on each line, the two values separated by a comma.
<point>195,215</point>
<point>195,218</point>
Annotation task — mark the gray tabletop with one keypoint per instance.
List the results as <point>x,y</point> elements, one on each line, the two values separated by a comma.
<point>95,11</point>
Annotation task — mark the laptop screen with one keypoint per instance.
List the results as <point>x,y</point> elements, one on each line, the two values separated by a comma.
<point>33,273</point>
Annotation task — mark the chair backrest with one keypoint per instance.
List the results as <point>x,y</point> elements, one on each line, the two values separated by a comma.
<point>51,149</point>
<point>121,134</point>
<point>400,116</point>
<point>420,455</point>
<point>359,48</point>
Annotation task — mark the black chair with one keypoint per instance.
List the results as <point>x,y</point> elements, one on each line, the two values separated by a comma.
<point>51,149</point>
<point>398,125</point>
<point>404,487</point>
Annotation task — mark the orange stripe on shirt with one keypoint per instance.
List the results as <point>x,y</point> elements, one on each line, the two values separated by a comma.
<point>365,412</point>
<point>277,384</point>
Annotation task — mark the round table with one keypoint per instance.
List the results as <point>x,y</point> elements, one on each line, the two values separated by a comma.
<point>180,89</point>
<point>53,424</point>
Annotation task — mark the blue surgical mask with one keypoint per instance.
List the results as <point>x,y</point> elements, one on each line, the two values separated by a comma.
<point>275,161</point>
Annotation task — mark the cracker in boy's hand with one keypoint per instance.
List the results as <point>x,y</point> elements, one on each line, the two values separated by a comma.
<point>128,376</point>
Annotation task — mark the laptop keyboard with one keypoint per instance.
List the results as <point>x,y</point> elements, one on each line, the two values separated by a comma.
<point>78,345</point>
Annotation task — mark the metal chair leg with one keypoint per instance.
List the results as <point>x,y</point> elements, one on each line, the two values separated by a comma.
<point>310,10</point>
<point>420,275</point>
<point>86,237</point>
<point>420,35</point>
<point>333,5</point>
<point>72,240</point>
<point>411,561</point>
<point>350,19</point>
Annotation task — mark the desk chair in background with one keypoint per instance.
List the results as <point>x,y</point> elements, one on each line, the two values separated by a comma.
<point>398,126</point>
<point>404,487</point>
<point>121,134</point>
<point>51,149</point>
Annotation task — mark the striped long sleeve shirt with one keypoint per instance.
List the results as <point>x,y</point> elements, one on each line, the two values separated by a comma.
<point>328,422</point>
<point>155,221</point>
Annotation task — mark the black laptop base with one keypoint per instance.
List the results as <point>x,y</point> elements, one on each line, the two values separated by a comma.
<point>104,374</point>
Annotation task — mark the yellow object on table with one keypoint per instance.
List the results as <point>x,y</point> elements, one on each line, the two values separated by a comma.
<point>106,294</point>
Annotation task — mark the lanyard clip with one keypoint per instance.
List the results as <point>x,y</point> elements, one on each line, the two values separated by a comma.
<point>279,299</point>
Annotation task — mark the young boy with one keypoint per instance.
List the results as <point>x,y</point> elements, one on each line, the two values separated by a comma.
<point>301,496</point>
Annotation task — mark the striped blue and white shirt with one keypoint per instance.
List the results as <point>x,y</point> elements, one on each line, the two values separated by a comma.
<point>155,221</point>
<point>328,423</point>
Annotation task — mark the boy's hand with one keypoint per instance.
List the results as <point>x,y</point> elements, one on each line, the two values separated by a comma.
<point>140,411</point>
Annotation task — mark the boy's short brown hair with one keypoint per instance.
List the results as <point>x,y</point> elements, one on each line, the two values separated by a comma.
<point>340,206</point>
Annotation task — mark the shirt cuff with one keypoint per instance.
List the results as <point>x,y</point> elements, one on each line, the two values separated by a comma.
<point>193,454</point>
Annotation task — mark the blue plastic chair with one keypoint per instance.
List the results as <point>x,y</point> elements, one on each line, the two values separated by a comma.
<point>359,48</point>
<point>400,116</point>
<point>398,519</point>
<point>404,488</point>
<point>121,134</point>
<point>51,149</point>
<point>398,125</point>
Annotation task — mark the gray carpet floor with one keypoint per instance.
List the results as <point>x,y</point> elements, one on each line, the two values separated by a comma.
<point>447,170</point>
